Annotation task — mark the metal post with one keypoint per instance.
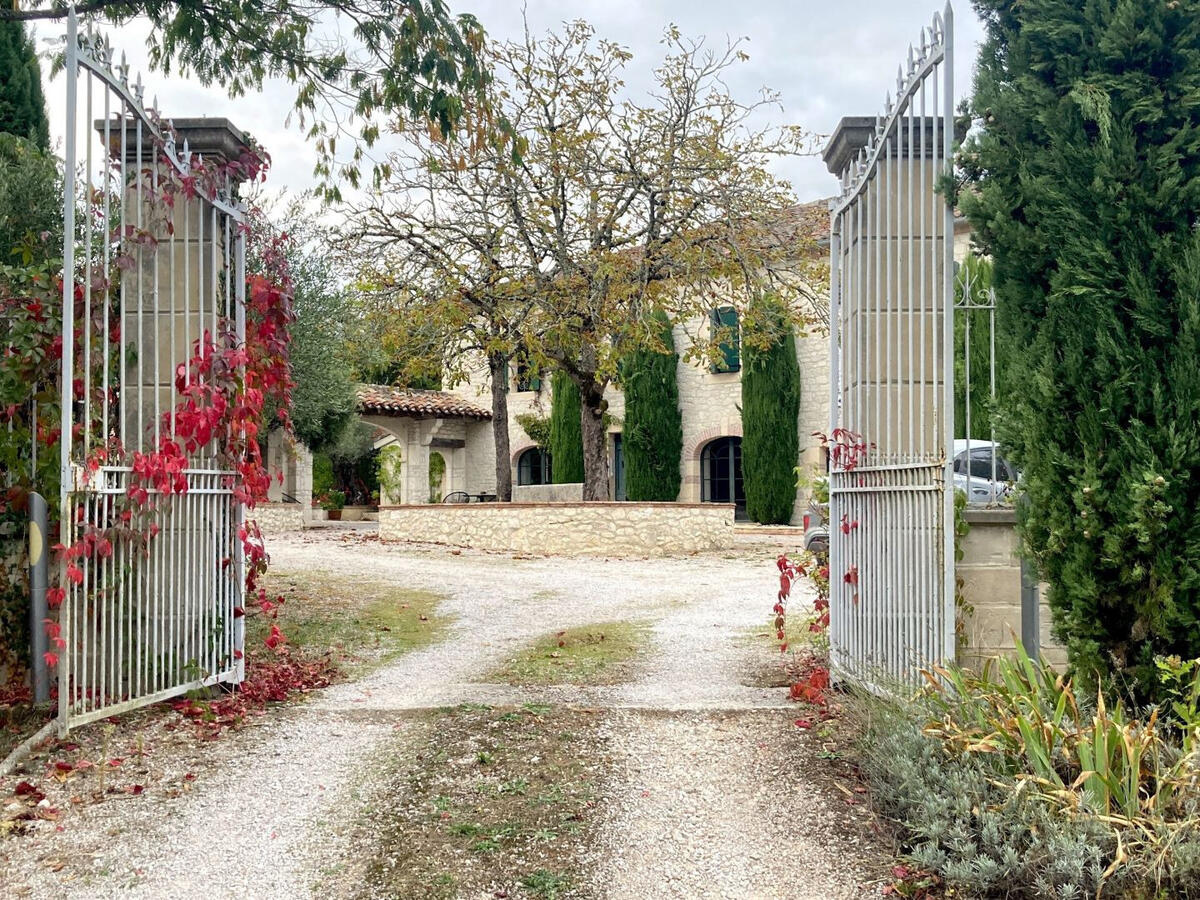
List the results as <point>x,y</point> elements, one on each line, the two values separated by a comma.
<point>38,611</point>
<point>67,373</point>
<point>949,638</point>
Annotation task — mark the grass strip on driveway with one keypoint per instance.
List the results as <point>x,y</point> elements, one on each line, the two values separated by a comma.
<point>486,802</point>
<point>597,654</point>
<point>360,624</point>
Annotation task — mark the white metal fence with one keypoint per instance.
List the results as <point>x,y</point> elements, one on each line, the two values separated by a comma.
<point>157,272</point>
<point>892,393</point>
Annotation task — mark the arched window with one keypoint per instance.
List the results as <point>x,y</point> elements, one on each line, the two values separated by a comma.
<point>533,466</point>
<point>721,472</point>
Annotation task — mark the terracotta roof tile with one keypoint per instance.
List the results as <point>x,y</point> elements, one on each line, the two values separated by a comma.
<point>381,399</point>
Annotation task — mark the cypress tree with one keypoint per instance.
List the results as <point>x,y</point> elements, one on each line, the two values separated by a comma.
<point>653,438</point>
<point>22,106</point>
<point>1086,178</point>
<point>770,409</point>
<point>566,430</point>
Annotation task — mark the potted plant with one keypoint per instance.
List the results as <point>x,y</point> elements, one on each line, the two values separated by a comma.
<point>332,503</point>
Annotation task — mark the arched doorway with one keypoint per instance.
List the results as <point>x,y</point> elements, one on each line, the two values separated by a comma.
<point>533,466</point>
<point>721,473</point>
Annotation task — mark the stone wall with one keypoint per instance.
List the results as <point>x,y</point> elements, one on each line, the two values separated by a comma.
<point>548,493</point>
<point>990,572</point>
<point>278,518</point>
<point>589,529</point>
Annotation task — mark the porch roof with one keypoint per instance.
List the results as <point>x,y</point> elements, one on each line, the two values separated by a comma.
<point>380,399</point>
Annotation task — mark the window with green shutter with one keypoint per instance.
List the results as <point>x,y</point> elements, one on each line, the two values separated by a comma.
<point>527,377</point>
<point>724,321</point>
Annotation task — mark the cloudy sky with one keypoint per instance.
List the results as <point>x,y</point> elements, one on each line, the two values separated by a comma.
<point>826,58</point>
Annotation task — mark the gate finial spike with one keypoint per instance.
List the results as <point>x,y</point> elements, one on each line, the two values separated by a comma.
<point>899,82</point>
<point>139,90</point>
<point>887,108</point>
<point>912,61</point>
<point>123,68</point>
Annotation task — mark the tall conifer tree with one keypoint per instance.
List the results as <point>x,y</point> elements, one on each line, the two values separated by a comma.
<point>566,430</point>
<point>653,437</point>
<point>22,105</point>
<point>770,409</point>
<point>1086,193</point>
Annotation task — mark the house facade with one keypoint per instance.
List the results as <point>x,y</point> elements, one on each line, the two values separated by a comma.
<point>710,407</point>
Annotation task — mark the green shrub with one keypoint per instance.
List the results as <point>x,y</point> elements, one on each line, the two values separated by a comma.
<point>1084,189</point>
<point>391,464</point>
<point>770,410</point>
<point>537,427</point>
<point>437,472</point>
<point>1008,785</point>
<point>653,432</point>
<point>566,430</point>
<point>322,474</point>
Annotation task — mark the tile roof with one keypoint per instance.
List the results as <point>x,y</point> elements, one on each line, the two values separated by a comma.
<point>384,400</point>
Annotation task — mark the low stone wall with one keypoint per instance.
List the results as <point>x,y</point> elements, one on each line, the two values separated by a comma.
<point>571,492</point>
<point>568,529</point>
<point>990,572</point>
<point>278,518</point>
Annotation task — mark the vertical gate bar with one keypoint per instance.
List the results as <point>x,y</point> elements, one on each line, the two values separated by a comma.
<point>992,382</point>
<point>213,233</point>
<point>835,287</point>
<point>141,269</point>
<point>854,316</point>
<point>106,338</point>
<point>237,550</point>
<point>86,329</point>
<point>835,312</point>
<point>873,437</point>
<point>155,301</point>
<point>67,367</point>
<point>948,335</point>
<point>172,311</point>
<point>88,660</point>
<point>889,296</point>
<point>187,280</point>
<point>201,335</point>
<point>924,254</point>
<point>122,249</point>
<point>910,252</point>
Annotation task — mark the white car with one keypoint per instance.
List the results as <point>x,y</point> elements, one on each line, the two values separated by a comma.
<point>982,473</point>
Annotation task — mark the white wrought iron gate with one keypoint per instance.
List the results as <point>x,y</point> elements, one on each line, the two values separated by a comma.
<point>892,403</point>
<point>153,586</point>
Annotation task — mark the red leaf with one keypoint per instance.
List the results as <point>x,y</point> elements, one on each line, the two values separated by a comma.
<point>25,789</point>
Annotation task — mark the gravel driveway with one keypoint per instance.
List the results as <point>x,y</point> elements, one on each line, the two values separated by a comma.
<point>701,801</point>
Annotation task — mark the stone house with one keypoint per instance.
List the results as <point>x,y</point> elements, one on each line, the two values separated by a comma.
<point>454,424</point>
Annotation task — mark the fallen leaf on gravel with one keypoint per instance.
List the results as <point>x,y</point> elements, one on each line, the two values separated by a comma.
<point>803,723</point>
<point>135,789</point>
<point>25,789</point>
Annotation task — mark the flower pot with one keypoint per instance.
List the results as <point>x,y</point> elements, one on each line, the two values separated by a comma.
<point>334,515</point>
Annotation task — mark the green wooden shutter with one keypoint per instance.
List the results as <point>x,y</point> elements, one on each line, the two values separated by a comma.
<point>726,319</point>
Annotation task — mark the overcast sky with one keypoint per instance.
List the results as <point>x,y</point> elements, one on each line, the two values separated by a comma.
<point>827,59</point>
